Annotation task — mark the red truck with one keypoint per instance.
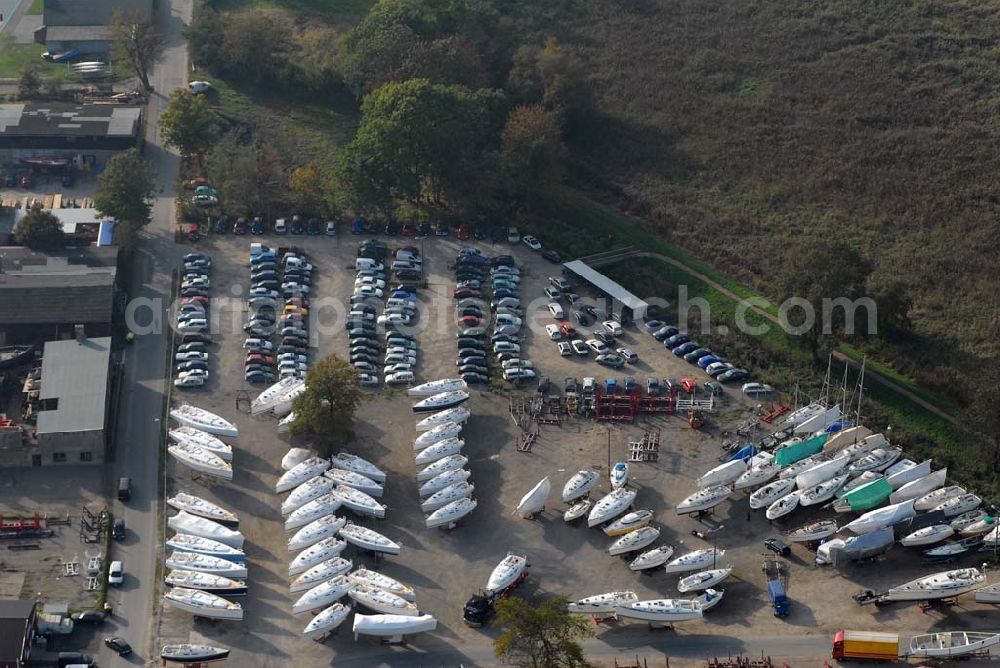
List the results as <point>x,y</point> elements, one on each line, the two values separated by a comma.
<point>870,645</point>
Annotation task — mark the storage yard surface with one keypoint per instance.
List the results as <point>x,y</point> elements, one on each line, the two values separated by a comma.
<point>446,567</point>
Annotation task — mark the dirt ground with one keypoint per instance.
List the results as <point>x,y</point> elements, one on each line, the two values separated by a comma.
<point>445,568</point>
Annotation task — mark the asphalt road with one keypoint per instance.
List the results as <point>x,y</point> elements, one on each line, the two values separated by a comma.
<point>140,427</point>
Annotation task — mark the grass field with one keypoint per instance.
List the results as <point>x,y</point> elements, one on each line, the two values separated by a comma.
<point>37,7</point>
<point>13,57</point>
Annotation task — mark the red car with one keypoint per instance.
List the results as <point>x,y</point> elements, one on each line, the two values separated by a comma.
<point>195,300</point>
<point>567,329</point>
<point>241,226</point>
<point>257,357</point>
<point>409,230</point>
<point>464,231</point>
<point>470,321</point>
<point>689,384</point>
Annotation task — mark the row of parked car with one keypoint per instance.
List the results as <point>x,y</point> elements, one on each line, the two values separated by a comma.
<point>399,309</point>
<point>714,364</point>
<point>191,356</point>
<point>289,271</point>
<point>257,225</point>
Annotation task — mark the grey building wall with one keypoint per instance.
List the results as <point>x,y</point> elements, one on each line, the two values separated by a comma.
<point>72,447</point>
<point>92,12</point>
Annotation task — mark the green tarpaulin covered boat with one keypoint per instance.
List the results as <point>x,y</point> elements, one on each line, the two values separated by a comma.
<point>798,451</point>
<point>865,497</point>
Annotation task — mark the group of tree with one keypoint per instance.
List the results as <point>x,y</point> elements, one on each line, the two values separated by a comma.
<point>540,635</point>
<point>124,193</point>
<point>325,410</point>
<point>40,230</point>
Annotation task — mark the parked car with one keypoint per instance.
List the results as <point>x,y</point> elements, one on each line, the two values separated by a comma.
<point>597,346</point>
<point>552,255</point>
<point>612,327</point>
<point>531,242</point>
<point>565,349</point>
<point>664,332</point>
<point>553,332</point>
<point>628,355</point>
<point>613,361</point>
<point>756,389</point>
<point>116,573</point>
<point>552,293</point>
<point>733,375</point>
<point>579,347</point>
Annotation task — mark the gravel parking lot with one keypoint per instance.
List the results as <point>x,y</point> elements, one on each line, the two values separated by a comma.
<point>445,568</point>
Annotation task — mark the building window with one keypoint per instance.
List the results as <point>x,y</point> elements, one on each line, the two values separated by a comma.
<point>59,457</point>
<point>87,456</point>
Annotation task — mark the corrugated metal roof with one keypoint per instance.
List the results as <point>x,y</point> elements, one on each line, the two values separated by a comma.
<point>76,374</point>
<point>605,284</point>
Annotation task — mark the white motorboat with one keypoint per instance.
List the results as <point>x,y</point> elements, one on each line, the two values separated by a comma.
<point>535,499</point>
<point>629,522</point>
<point>876,460</point>
<point>822,492</point>
<point>184,522</point>
<point>618,475</point>
<point>722,474</point>
<point>634,541</point>
<point>820,472</point>
<point>460,415</point>
<point>310,468</point>
<point>704,499</point>
<point>949,551</point>
<point>966,520</point>
<point>294,457</point>
<point>204,440</point>
<point>328,548</point>
<point>459,490</point>
<point>199,418</point>
<point>191,653</point>
<point>315,531</point>
<point>359,502</point>
<point>441,449</point>
<point>844,438</point>
<point>864,446</point>
<point>192,561</point>
<point>880,518</point>
<point>349,462</point>
<point>363,576</point>
<point>983,526</point>
<point>319,507</point>
<point>438,387</point>
<point>442,480</point>
<point>756,475</point>
<point>579,485</point>
<point>203,604</point>
<point>382,601</point>
<point>793,470</point>
<point>958,505</point>
<point>441,401</point>
<point>953,643</point>
<point>812,532</point>
<point>201,460</point>
<point>577,510</point>
<point>920,486</point>
<point>269,397</point>
<point>507,572</point>
<point>219,585</point>
<point>392,626</point>
<point>443,465</point>
<point>652,558</point>
<point>771,492</point>
<point>611,505</point>
<point>800,415</point>
<point>356,480</point>
<point>283,406</point>
<point>945,584</point>
<point>321,572</point>
<point>368,539</point>
<point>195,505</point>
<point>663,610</point>
<point>703,580</point>
<point>311,489</point>
<point>989,594</point>
<point>938,496</point>
<point>601,604</point>
<point>285,423</point>
<point>696,561</point>
<point>447,515</point>
<point>784,505</point>
<point>183,542</point>
<point>438,433</point>
<point>322,595</point>
<point>899,475</point>
<point>710,598</point>
<point>327,621</point>
<point>928,535</point>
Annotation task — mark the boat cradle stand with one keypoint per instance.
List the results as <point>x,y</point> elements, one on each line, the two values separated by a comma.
<point>927,606</point>
<point>607,619</point>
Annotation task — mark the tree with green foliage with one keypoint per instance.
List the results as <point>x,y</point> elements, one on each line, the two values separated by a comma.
<point>188,122</point>
<point>894,303</point>
<point>423,143</point>
<point>40,230</point>
<point>565,85</point>
<point>137,43</point>
<point>255,45</point>
<point>29,81</point>
<point>124,192</point>
<point>531,148</point>
<point>244,174</point>
<point>818,272</point>
<point>545,635</point>
<point>325,411</point>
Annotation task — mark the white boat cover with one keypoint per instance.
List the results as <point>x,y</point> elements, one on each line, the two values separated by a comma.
<point>392,625</point>
<point>914,490</point>
<point>881,518</point>
<point>535,499</point>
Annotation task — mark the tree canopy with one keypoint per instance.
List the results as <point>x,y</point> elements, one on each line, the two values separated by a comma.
<point>40,230</point>
<point>29,81</point>
<point>325,410</point>
<point>531,147</point>
<point>543,635</point>
<point>136,43</point>
<point>188,122</point>
<point>124,192</point>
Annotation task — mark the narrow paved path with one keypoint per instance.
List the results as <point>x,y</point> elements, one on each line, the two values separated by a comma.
<point>870,374</point>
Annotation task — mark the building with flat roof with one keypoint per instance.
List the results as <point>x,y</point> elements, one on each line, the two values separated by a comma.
<point>46,296</point>
<point>73,401</point>
<point>86,133</point>
<point>82,227</point>
<point>17,632</point>
<point>84,25</point>
<point>628,307</point>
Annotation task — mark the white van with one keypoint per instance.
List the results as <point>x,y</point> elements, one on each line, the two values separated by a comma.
<point>368,263</point>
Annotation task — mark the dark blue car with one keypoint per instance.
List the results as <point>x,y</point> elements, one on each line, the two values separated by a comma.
<point>358,226</point>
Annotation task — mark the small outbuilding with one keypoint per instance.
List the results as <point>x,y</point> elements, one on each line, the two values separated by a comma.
<point>624,304</point>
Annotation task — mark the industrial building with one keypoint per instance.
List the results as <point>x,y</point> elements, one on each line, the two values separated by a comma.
<point>622,303</point>
<point>84,26</point>
<point>84,134</point>
<point>17,632</point>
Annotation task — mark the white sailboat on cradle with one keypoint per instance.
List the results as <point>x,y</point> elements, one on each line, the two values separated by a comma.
<point>703,500</point>
<point>316,531</point>
<point>507,572</point>
<point>449,463</point>
<point>441,401</point>
<point>459,414</point>
<point>952,643</point>
<point>579,485</point>
<point>309,468</point>
<point>442,480</point>
<point>368,539</point>
<point>439,433</point>
<point>355,480</point>
<point>611,505</point>
<point>634,541</point>
<point>318,552</point>
<point>269,397</point>
<point>665,610</point>
<point>534,500</point>
<point>326,621</point>
<point>349,462</point>
<point>199,418</point>
<point>382,601</point>
<point>601,604</point>
<point>196,505</point>
<point>204,440</point>
<point>201,460</point>
<point>652,558</point>
<point>939,585</point>
<point>183,522</point>
<point>203,604</point>
<point>192,561</point>
<point>379,581</point>
<point>323,595</point>
<point>313,488</point>
<point>437,387</point>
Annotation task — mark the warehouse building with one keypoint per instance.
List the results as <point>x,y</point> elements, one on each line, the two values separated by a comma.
<point>85,134</point>
<point>84,26</point>
<point>17,632</point>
